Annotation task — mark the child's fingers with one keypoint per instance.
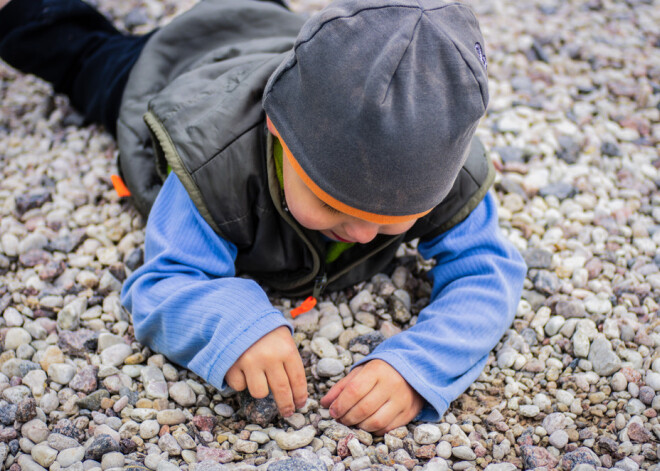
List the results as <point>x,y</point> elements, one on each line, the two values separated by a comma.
<point>235,379</point>
<point>407,414</point>
<point>281,389</point>
<point>295,372</point>
<point>353,391</point>
<point>402,418</point>
<point>367,406</point>
<point>257,384</point>
<point>338,387</point>
<point>381,418</point>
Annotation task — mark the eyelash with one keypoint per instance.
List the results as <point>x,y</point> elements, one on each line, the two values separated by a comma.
<point>329,208</point>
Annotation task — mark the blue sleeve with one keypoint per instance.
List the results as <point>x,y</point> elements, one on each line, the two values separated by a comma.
<point>185,300</point>
<point>477,283</point>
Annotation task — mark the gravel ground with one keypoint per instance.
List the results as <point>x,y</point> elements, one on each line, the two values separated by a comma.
<point>574,130</point>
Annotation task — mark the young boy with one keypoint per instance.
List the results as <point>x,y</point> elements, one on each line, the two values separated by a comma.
<point>303,154</point>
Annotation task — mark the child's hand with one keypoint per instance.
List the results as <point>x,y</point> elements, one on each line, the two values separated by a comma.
<point>272,362</point>
<point>375,397</point>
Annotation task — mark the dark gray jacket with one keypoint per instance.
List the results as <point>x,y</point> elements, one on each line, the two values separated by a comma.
<point>200,82</point>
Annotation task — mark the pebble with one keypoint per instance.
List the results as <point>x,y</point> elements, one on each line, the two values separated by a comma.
<point>85,380</point>
<point>463,453</point>
<point>61,372</point>
<point>61,442</point>
<point>149,429</point>
<point>182,394</point>
<point>18,368</point>
<point>69,316</point>
<point>223,410</point>
<point>604,361</point>
<point>169,444</point>
<point>69,456</point>
<point>619,382</point>
<point>529,410</point>
<point>652,380</point>
<point>101,445</point>
<point>16,394</point>
<point>328,367</point>
<point>297,439</point>
<point>558,439</point>
<point>15,337</point>
<point>26,410</point>
<point>35,430</point>
<point>323,347</point>
<point>582,455</point>
<point>214,454</point>
<point>115,354</point>
<point>170,417</point>
<point>426,434</point>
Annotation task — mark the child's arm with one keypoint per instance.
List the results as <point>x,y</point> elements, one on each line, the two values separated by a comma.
<point>476,289</point>
<point>187,304</point>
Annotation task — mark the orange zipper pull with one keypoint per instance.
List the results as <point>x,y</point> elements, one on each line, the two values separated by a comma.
<point>120,187</point>
<point>304,307</point>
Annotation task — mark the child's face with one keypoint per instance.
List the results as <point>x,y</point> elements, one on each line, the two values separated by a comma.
<point>314,214</point>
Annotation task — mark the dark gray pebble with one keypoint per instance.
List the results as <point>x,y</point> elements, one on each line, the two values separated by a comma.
<point>101,445</point>
<point>560,190</point>
<point>27,410</point>
<point>127,446</point>
<point>135,259</point>
<point>610,149</point>
<point>133,396</point>
<point>24,203</point>
<point>582,455</point>
<point>257,411</point>
<point>546,282</point>
<point>8,414</point>
<point>14,447</point>
<point>66,243</point>
<point>93,401</point>
<point>537,258</point>
<point>569,149</point>
<point>370,340</point>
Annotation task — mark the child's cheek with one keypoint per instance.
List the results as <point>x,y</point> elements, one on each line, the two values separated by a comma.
<point>306,217</point>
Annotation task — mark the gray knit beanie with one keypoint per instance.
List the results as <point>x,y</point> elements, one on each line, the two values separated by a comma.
<point>379,99</point>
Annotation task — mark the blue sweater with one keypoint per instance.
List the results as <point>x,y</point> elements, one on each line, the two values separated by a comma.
<point>188,304</point>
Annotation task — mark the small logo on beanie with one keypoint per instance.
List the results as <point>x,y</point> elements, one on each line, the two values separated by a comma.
<point>480,53</point>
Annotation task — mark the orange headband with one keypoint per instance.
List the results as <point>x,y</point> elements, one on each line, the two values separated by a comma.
<point>329,200</point>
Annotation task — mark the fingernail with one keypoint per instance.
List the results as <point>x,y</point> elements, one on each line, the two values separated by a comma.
<point>333,413</point>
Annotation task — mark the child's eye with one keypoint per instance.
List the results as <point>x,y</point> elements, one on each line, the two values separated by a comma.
<point>329,208</point>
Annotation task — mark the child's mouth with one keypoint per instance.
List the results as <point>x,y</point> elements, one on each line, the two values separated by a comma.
<point>340,239</point>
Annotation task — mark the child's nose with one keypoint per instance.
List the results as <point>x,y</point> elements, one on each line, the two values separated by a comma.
<point>361,231</point>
